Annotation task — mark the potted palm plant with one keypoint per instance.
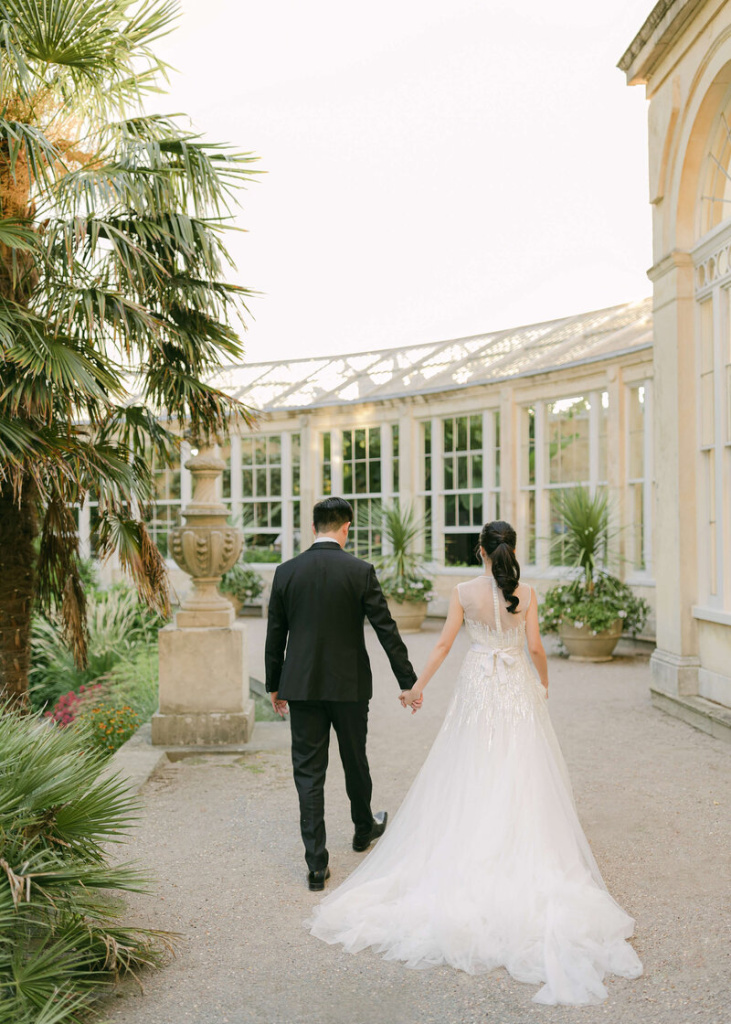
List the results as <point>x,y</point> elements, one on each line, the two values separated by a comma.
<point>403,576</point>
<point>592,610</point>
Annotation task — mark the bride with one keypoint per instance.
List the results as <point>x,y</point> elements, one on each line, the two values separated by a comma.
<point>485,864</point>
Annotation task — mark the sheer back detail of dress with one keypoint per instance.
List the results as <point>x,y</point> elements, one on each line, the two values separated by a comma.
<point>486,612</point>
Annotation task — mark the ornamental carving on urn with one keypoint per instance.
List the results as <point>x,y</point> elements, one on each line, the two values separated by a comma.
<point>206,546</point>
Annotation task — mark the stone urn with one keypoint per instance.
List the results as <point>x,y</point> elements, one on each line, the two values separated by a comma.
<point>206,546</point>
<point>203,655</point>
<point>408,615</point>
<point>583,645</point>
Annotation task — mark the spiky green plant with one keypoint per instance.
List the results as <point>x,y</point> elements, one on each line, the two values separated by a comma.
<point>585,540</point>
<point>113,303</point>
<point>62,939</point>
<point>402,574</point>
<point>402,528</point>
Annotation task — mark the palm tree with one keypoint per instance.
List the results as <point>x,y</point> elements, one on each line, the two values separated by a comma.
<point>113,307</point>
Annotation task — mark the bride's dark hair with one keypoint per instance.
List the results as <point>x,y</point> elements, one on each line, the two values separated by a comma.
<point>498,539</point>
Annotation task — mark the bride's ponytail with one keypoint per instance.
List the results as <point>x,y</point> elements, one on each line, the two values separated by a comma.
<point>498,539</point>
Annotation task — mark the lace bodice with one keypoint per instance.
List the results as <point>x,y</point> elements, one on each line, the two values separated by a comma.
<point>486,615</point>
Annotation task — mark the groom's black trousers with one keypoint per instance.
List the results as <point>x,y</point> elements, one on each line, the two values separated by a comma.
<point>311,721</point>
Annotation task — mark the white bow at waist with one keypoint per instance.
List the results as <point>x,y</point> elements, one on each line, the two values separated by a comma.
<point>498,660</point>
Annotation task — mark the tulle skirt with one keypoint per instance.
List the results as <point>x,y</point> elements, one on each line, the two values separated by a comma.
<point>486,864</point>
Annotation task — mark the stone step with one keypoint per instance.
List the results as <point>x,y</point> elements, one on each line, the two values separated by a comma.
<point>702,714</point>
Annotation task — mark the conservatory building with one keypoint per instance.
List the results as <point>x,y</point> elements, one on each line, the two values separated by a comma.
<point>682,55</point>
<point>466,430</point>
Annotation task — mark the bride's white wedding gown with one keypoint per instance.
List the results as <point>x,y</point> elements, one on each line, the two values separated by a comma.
<point>485,863</point>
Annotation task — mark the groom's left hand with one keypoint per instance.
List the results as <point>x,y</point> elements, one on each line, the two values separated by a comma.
<point>409,700</point>
<point>280,706</point>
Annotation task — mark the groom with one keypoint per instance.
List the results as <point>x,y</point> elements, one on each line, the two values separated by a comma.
<point>316,661</point>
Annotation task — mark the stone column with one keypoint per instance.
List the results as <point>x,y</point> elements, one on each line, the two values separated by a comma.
<point>675,662</point>
<point>203,657</point>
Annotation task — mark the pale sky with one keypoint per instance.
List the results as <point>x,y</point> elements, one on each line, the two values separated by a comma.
<point>433,169</point>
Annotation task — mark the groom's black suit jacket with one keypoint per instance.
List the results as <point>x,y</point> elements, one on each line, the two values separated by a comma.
<point>317,608</point>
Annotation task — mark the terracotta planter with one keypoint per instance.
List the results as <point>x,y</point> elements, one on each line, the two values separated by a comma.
<point>255,611</point>
<point>408,615</point>
<point>582,645</point>
<point>237,605</point>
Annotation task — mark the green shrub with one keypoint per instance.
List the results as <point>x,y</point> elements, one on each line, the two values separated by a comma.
<point>119,625</point>
<point>62,939</point>
<point>244,584</point>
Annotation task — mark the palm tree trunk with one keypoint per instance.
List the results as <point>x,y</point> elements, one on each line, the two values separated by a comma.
<point>17,573</point>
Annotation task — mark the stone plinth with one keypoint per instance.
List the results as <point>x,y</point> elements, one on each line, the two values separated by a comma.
<point>204,687</point>
<point>203,655</point>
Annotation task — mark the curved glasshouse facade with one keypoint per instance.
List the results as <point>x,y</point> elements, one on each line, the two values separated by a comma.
<point>470,429</point>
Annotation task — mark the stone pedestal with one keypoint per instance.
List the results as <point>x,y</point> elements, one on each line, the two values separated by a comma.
<point>203,656</point>
<point>204,687</point>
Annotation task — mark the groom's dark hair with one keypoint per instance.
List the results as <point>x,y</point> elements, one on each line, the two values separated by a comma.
<point>331,513</point>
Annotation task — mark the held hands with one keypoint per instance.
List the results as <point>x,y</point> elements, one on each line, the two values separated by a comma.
<point>411,699</point>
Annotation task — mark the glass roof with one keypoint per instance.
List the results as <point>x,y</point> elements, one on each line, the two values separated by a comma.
<point>441,365</point>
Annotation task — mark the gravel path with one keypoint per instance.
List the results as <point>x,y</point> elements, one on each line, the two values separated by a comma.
<point>221,836</point>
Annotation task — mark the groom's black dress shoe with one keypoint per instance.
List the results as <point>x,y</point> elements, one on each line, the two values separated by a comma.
<point>316,879</point>
<point>362,842</point>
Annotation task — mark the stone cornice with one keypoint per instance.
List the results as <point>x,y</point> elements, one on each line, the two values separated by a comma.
<point>666,21</point>
<point>674,260</point>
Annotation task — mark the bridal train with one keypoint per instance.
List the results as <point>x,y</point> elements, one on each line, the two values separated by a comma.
<point>485,863</point>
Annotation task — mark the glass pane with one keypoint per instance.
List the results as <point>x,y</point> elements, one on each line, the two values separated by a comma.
<point>427,438</point>
<point>374,443</point>
<point>326,480</point>
<point>558,530</point>
<point>295,448</point>
<point>427,531</point>
<point>175,483</point>
<point>497,429</point>
<point>463,506</point>
<point>707,336</point>
<point>475,433</point>
<point>462,472</point>
<point>459,548</point>
<point>448,474</point>
<point>261,517</point>
<point>326,447</point>
<point>247,451</point>
<point>261,483</point>
<point>248,483</point>
<point>347,445</point>
<point>361,485</point>
<point>274,447</point>
<point>476,471</point>
<point>275,487</point>
<point>448,436</point>
<point>477,510</point>
<point>462,433</point>
<point>260,451</point>
<point>360,444</point>
<point>450,514</point>
<point>275,513</point>
<point>396,481</point>
<point>395,439</point>
<point>427,474</point>
<point>375,477</point>
<point>348,477</point>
